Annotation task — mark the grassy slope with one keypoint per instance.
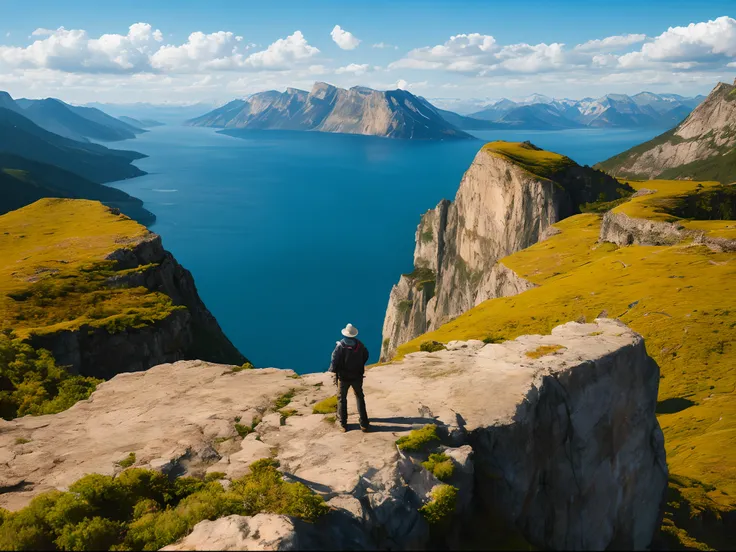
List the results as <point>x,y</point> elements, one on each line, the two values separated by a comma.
<point>658,206</point>
<point>536,161</point>
<point>53,273</point>
<point>681,298</point>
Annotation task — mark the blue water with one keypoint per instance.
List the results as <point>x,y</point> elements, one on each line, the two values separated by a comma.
<point>292,235</point>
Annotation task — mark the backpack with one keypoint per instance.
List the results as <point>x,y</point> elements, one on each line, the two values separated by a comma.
<point>353,361</point>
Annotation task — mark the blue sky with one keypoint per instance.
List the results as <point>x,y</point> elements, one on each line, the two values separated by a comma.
<point>499,49</point>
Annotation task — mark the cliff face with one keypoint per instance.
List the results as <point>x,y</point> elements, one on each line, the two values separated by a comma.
<point>327,108</point>
<point>187,333</point>
<point>100,292</point>
<point>562,447</point>
<point>700,148</point>
<point>501,206</point>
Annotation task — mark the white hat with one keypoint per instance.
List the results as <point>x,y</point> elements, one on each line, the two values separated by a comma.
<point>350,331</point>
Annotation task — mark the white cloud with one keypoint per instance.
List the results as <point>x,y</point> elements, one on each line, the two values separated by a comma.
<point>383,45</point>
<point>344,39</point>
<point>401,84</point>
<point>611,43</point>
<point>697,41</point>
<point>354,68</point>
<point>218,50</point>
<point>283,53</point>
<point>75,51</point>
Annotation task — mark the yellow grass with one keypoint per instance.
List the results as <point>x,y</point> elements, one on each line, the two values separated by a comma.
<point>53,273</point>
<point>538,162</point>
<point>681,298</point>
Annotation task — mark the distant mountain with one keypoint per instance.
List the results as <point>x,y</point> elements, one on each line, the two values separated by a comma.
<point>140,123</point>
<point>166,112</point>
<point>76,123</point>
<point>703,147</point>
<point>539,112</point>
<point>22,137</point>
<point>327,108</point>
<point>23,182</point>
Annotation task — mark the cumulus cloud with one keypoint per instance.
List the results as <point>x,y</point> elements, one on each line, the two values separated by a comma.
<point>73,50</point>
<point>384,45</point>
<point>216,50</point>
<point>698,46</point>
<point>344,39</point>
<point>141,50</point>
<point>283,53</point>
<point>611,43</point>
<point>354,68</point>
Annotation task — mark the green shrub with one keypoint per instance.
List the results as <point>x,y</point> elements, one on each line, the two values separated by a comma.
<point>493,339</point>
<point>245,430</point>
<point>127,461</point>
<point>432,346</point>
<point>34,384</point>
<point>22,441</point>
<point>287,413</point>
<point>143,510</point>
<point>441,466</point>
<point>442,505</point>
<point>214,476</point>
<point>327,406</point>
<point>284,399</point>
<point>90,534</point>
<point>244,366</point>
<point>419,439</point>
<point>404,306</point>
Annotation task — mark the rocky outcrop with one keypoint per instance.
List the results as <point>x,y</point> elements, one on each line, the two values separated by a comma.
<point>564,447</point>
<point>623,230</point>
<point>187,333</point>
<point>327,108</point>
<point>699,148</point>
<point>501,207</point>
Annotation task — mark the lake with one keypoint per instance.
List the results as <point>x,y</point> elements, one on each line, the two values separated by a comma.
<point>291,235</point>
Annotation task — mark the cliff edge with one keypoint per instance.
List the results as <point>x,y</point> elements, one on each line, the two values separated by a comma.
<point>511,194</point>
<point>551,436</point>
<point>100,292</point>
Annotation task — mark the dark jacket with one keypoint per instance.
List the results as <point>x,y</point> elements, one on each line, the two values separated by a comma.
<point>348,359</point>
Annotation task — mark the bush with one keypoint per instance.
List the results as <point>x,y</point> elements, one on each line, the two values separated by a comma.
<point>245,430</point>
<point>441,466</point>
<point>244,366</point>
<point>442,506</point>
<point>142,510</point>
<point>419,439</point>
<point>327,406</point>
<point>284,399</point>
<point>432,346</point>
<point>127,461</point>
<point>493,339</point>
<point>33,384</point>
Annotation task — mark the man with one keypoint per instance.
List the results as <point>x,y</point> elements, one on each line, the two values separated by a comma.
<point>348,365</point>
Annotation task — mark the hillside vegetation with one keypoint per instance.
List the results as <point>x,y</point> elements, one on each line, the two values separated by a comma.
<point>144,510</point>
<point>682,299</point>
<point>23,181</point>
<point>53,277</point>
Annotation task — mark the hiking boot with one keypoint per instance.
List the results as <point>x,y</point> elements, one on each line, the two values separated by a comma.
<point>365,429</point>
<point>343,429</point>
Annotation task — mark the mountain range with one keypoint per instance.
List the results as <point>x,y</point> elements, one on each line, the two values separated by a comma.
<point>643,110</point>
<point>702,147</point>
<point>45,151</point>
<point>77,123</point>
<point>327,108</point>
<point>400,114</point>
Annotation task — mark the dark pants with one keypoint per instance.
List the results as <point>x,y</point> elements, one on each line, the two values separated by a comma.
<point>342,401</point>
